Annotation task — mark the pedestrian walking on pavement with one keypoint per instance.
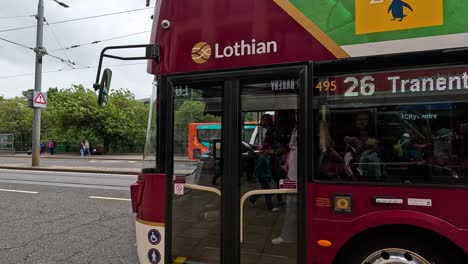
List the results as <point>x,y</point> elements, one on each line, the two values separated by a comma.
<point>86,148</point>
<point>52,145</point>
<point>82,148</point>
<point>42,148</point>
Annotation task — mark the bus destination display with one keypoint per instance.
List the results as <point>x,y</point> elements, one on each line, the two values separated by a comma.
<point>415,82</point>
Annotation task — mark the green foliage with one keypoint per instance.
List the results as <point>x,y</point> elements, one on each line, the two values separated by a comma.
<point>73,115</point>
<point>122,123</point>
<point>68,115</point>
<point>16,119</point>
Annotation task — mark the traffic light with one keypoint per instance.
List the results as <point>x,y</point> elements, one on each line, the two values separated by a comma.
<point>30,97</point>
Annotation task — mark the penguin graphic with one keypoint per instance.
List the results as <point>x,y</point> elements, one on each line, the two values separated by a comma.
<point>397,9</point>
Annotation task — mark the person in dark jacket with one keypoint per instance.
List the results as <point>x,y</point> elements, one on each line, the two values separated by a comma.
<point>369,163</point>
<point>262,172</point>
<point>352,156</point>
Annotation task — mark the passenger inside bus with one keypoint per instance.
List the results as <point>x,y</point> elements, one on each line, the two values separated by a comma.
<point>331,163</point>
<point>265,157</point>
<point>288,230</point>
<point>271,159</point>
<point>422,143</point>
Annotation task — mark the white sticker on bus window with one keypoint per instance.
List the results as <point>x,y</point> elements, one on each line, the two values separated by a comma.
<point>178,189</point>
<point>419,202</point>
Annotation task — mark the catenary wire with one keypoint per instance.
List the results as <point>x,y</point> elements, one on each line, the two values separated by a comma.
<point>16,43</point>
<point>99,41</point>
<point>78,19</point>
<point>8,17</point>
<point>74,69</point>
<point>58,42</point>
<point>68,62</point>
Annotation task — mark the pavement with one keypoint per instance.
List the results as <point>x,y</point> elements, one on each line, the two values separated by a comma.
<point>60,156</point>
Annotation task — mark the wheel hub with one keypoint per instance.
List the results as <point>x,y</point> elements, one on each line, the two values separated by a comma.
<point>395,256</point>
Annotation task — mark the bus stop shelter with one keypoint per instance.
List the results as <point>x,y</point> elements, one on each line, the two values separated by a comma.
<point>7,143</point>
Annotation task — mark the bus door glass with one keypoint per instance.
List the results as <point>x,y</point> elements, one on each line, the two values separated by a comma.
<point>268,174</point>
<point>196,195</point>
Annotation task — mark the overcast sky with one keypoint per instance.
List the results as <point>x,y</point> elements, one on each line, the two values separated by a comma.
<point>16,60</point>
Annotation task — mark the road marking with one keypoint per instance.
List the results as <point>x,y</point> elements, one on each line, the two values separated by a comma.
<point>47,172</point>
<point>109,198</point>
<point>18,191</point>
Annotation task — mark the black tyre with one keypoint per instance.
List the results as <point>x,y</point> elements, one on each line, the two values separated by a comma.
<point>400,248</point>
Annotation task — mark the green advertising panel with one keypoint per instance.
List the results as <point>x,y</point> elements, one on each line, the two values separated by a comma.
<point>350,22</point>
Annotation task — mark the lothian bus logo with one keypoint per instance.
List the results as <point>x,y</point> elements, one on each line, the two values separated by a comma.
<point>202,51</point>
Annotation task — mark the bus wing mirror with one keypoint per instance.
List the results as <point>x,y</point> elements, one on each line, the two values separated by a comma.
<point>152,52</point>
<point>103,88</point>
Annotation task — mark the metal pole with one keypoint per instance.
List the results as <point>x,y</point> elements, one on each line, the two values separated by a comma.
<point>36,129</point>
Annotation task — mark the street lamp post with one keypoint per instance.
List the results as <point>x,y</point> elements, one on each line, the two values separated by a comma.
<point>40,52</point>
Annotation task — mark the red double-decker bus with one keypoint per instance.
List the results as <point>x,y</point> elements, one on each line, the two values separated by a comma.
<point>365,161</point>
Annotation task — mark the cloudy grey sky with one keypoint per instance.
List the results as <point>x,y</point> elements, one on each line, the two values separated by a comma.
<point>17,63</point>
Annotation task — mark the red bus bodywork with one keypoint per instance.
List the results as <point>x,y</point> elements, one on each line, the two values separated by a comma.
<point>440,218</point>
<point>228,21</point>
<point>225,22</point>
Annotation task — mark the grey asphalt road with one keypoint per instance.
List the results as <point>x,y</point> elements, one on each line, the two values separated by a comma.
<point>76,162</point>
<point>61,217</point>
<point>115,164</point>
<point>64,179</point>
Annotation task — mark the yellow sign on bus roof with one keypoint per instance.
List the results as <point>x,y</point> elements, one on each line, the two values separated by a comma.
<point>389,15</point>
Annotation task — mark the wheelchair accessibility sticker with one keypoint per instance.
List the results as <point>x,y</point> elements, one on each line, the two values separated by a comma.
<point>390,15</point>
<point>154,237</point>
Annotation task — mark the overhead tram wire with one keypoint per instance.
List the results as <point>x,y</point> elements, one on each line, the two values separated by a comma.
<point>68,62</point>
<point>60,45</point>
<point>74,69</point>
<point>99,41</point>
<point>16,43</point>
<point>81,18</point>
<point>9,17</point>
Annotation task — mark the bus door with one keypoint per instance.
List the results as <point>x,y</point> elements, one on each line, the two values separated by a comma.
<point>268,171</point>
<point>196,199</point>
<point>239,203</point>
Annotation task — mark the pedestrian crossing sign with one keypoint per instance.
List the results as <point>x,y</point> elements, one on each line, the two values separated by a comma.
<point>40,99</point>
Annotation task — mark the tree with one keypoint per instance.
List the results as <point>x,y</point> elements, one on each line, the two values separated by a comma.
<point>122,122</point>
<point>73,115</point>
<point>68,115</point>
<point>16,119</point>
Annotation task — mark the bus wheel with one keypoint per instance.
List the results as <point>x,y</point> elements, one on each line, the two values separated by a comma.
<point>399,248</point>
<point>395,255</point>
